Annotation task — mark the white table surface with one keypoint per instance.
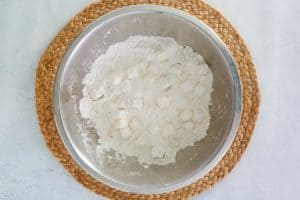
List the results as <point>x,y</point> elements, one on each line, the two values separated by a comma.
<point>270,168</point>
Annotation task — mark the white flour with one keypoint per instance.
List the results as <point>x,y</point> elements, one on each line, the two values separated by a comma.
<point>148,97</point>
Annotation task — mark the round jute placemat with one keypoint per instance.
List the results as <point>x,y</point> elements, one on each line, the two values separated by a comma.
<point>54,53</point>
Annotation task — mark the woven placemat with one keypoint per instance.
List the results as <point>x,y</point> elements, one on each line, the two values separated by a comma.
<point>54,53</point>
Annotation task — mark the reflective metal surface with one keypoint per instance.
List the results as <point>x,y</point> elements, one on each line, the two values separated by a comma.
<point>192,163</point>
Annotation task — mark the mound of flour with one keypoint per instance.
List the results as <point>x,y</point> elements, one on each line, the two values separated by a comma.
<point>147,97</point>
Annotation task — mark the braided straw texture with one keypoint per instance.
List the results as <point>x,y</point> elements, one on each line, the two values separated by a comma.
<point>54,53</point>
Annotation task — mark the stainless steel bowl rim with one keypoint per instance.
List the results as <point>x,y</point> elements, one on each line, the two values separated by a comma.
<point>76,155</point>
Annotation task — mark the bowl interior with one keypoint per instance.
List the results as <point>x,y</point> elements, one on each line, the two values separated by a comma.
<point>94,41</point>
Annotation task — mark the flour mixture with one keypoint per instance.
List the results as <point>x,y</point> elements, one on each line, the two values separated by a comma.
<point>148,97</point>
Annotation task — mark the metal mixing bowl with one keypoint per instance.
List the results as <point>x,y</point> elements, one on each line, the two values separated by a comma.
<point>192,163</point>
